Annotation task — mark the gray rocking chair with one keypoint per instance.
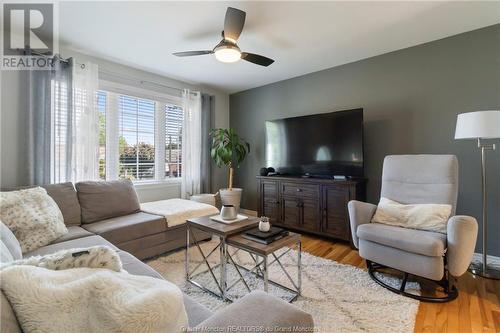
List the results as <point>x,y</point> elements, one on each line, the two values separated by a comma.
<point>413,179</point>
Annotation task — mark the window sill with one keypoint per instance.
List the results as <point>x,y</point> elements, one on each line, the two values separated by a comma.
<point>158,183</point>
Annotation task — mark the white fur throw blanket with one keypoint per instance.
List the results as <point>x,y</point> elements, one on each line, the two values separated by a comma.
<point>99,256</point>
<point>177,211</point>
<point>92,300</point>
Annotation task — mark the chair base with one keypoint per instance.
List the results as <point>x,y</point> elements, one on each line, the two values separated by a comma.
<point>450,291</point>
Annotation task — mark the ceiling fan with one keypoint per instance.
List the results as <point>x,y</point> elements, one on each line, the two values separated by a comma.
<point>227,50</point>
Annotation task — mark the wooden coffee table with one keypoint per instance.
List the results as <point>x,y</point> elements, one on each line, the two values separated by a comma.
<point>230,235</point>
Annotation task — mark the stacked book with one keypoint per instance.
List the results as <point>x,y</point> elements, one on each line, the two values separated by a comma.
<point>265,237</point>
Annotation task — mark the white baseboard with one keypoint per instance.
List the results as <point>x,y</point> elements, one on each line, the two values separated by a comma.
<point>493,261</point>
<point>248,212</point>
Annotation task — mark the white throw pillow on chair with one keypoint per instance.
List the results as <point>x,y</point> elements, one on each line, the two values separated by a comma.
<point>428,217</point>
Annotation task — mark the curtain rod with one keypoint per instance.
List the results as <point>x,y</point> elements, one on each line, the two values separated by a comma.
<point>129,77</point>
<point>48,56</point>
<point>126,77</point>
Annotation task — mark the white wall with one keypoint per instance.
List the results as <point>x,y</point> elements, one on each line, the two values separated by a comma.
<point>14,93</point>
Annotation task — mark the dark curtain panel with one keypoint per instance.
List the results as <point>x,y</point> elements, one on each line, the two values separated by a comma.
<point>207,123</point>
<point>50,99</point>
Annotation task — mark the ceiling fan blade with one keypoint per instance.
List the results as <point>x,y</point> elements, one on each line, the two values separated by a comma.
<point>233,23</point>
<point>256,59</point>
<point>192,53</point>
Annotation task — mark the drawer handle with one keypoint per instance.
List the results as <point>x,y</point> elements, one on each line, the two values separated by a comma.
<point>298,190</point>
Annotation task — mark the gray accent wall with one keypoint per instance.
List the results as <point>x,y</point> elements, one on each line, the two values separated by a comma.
<point>410,98</point>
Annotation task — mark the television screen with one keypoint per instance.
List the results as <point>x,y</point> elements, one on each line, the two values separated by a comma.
<point>320,145</point>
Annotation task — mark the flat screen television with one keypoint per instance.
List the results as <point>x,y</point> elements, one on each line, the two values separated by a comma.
<point>321,145</point>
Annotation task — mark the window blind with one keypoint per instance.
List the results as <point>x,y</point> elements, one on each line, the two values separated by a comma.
<point>101,102</point>
<point>140,139</point>
<point>61,119</point>
<point>173,141</point>
<point>136,138</point>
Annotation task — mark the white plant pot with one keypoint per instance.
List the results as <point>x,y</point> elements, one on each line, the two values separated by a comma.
<point>232,197</point>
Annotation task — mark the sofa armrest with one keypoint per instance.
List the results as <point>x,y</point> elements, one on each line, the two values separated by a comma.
<point>258,312</point>
<point>462,236</point>
<point>359,213</point>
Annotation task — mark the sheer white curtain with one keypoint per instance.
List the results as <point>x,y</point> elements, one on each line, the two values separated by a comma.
<point>191,143</point>
<point>85,136</point>
<point>75,126</point>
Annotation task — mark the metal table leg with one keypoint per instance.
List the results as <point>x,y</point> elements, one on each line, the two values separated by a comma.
<point>187,253</point>
<point>223,266</point>
<point>299,267</point>
<point>266,274</point>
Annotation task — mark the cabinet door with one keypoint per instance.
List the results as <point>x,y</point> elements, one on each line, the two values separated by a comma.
<point>310,215</point>
<point>270,200</point>
<point>335,216</point>
<point>291,212</point>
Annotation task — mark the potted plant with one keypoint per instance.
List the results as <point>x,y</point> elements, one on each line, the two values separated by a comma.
<point>230,150</point>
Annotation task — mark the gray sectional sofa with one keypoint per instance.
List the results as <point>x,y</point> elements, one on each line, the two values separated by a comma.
<point>111,210</point>
<point>108,213</point>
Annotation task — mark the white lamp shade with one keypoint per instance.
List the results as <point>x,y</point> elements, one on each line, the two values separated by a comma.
<point>479,124</point>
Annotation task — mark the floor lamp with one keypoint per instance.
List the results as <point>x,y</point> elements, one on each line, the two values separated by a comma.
<point>481,125</point>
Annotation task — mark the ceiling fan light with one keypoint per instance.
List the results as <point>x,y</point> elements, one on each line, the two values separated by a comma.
<point>227,54</point>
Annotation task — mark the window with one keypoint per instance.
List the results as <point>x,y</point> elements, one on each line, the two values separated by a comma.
<point>173,140</point>
<point>101,108</point>
<point>136,138</point>
<point>59,127</point>
<point>140,138</point>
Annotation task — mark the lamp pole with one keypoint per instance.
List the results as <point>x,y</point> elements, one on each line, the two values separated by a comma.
<point>483,270</point>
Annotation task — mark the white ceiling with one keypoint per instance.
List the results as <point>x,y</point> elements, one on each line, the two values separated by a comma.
<point>302,37</point>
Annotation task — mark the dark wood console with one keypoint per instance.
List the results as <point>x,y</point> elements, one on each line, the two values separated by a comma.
<point>311,205</point>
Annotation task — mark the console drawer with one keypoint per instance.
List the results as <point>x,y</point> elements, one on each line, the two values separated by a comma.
<point>300,190</point>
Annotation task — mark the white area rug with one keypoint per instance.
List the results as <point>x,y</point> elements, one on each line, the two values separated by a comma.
<point>341,298</point>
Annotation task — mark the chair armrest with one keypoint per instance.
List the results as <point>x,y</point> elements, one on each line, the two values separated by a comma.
<point>258,310</point>
<point>462,236</point>
<point>359,213</point>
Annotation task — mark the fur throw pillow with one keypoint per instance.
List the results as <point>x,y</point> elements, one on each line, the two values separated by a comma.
<point>33,216</point>
<point>91,257</point>
<point>429,217</point>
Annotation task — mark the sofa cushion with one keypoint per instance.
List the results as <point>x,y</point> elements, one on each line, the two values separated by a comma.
<point>125,228</point>
<point>428,243</point>
<point>134,266</point>
<point>103,200</point>
<point>10,242</point>
<point>74,232</point>
<point>71,244</point>
<point>5,255</point>
<point>258,307</point>
<point>64,195</point>
<point>196,312</point>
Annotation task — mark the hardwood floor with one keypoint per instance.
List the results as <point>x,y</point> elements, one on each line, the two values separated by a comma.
<point>477,308</point>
